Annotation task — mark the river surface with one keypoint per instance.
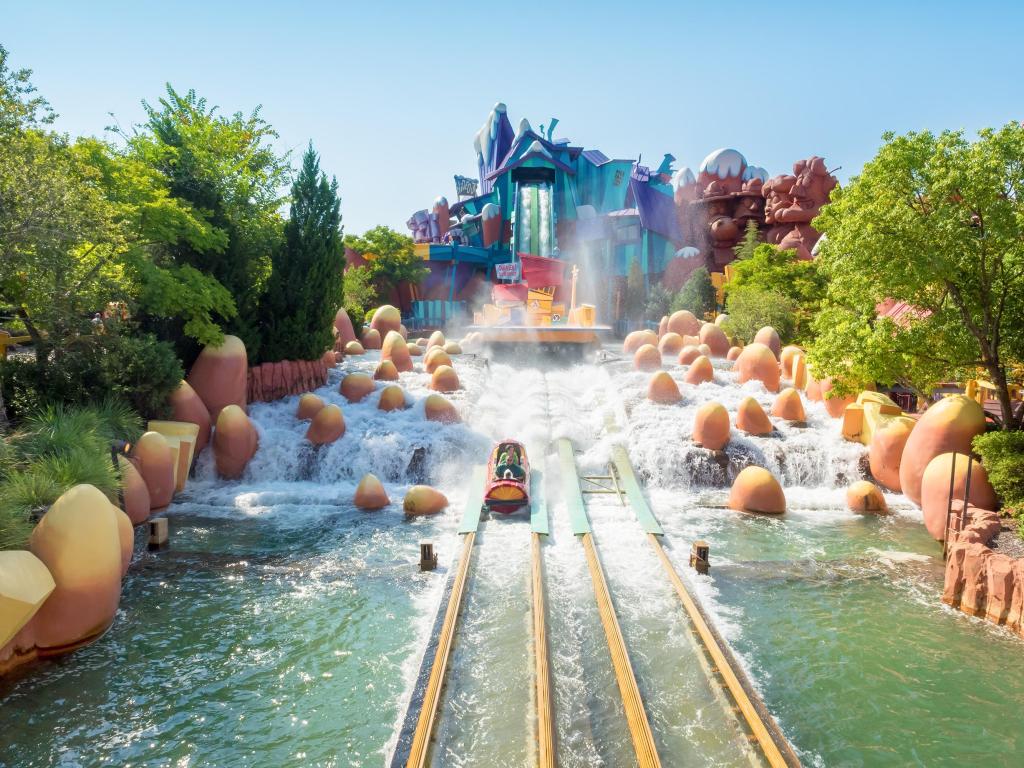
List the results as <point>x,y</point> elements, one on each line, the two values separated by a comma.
<point>284,627</point>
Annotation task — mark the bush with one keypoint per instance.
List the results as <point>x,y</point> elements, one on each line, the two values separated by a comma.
<point>751,308</point>
<point>697,295</point>
<point>1002,454</point>
<point>659,303</point>
<point>136,370</point>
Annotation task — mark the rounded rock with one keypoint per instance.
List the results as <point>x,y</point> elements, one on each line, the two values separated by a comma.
<point>637,339</point>
<point>756,490</point>
<point>436,339</point>
<point>770,338</point>
<point>353,348</point>
<point>700,371</point>
<point>438,408</point>
<point>885,452</point>
<point>663,389</point>
<point>309,406</point>
<point>385,371</point>
<point>684,323</point>
<point>392,398</point>
<point>343,326</point>
<point>396,350</point>
<point>733,353</point>
<point>327,426</point>
<point>370,494</point>
<point>948,426</point>
<point>187,406</point>
<point>757,363</point>
<point>715,338</point>
<point>125,537</point>
<point>721,319</point>
<point>711,426</point>
<point>865,497</point>
<point>435,358</point>
<point>647,358</point>
<point>220,375</point>
<point>371,339</point>
<point>386,318</point>
<point>423,500</point>
<point>789,406</point>
<point>688,354</point>
<point>355,386</point>
<point>786,359</point>
<point>235,441</point>
<point>670,344</point>
<point>444,379</point>
<point>134,492</point>
<point>751,418</point>
<point>452,348</point>
<point>415,350</point>
<point>935,489</point>
<point>155,462</point>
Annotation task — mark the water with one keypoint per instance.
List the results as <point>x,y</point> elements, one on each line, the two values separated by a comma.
<point>285,627</point>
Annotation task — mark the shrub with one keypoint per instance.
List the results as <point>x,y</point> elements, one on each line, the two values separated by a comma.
<point>751,308</point>
<point>697,295</point>
<point>659,303</point>
<point>1002,453</point>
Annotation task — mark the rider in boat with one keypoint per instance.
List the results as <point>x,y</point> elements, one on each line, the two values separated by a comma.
<point>509,466</point>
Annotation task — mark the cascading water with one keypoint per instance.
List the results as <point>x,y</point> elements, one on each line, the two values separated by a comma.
<point>285,627</point>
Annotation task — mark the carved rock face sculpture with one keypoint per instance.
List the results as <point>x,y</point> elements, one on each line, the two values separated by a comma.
<point>793,200</point>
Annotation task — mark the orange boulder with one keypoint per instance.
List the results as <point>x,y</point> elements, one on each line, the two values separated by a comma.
<point>688,354</point>
<point>134,492</point>
<point>444,379</point>
<point>663,326</point>
<point>700,370</point>
<point>234,442</point>
<point>663,389</point>
<point>327,426</point>
<point>637,339</point>
<point>751,418</point>
<point>786,358</point>
<point>155,462</point>
<point>757,363</point>
<point>355,386</point>
<point>396,349</point>
<point>733,353</point>
<point>437,408</point>
<point>435,358</point>
<point>415,350</point>
<point>125,537</point>
<point>385,371</point>
<point>935,489</point>
<point>392,398</point>
<point>79,542</point>
<point>647,358</point>
<point>865,496</point>
<point>948,426</point>
<point>371,339</point>
<point>436,339</point>
<point>423,500</point>
<point>187,406</point>
<point>370,494</point>
<point>711,426</point>
<point>354,348</point>
<point>756,490</point>
<point>684,323</point>
<point>886,451</point>
<point>789,406</point>
<point>452,348</point>
<point>670,343</point>
<point>220,375</point>
<point>386,318</point>
<point>343,326</point>
<point>770,338</point>
<point>309,405</point>
<point>715,338</point>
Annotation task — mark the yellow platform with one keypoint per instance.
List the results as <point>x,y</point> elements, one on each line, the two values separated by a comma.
<point>181,436</point>
<point>872,412</point>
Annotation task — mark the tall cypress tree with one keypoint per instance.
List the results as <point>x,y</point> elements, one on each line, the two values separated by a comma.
<point>305,287</point>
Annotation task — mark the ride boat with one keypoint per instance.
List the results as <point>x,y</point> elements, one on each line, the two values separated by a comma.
<point>508,477</point>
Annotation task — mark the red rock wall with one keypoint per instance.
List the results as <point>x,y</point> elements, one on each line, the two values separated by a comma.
<point>979,580</point>
<point>272,381</point>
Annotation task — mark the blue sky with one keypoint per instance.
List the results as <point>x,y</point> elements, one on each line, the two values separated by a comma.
<point>391,93</point>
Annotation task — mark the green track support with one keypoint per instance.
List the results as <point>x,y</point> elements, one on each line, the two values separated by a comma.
<point>571,488</point>
<point>538,504</point>
<point>631,486</point>
<point>475,500</point>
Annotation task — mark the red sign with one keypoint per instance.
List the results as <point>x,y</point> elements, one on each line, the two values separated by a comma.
<point>507,271</point>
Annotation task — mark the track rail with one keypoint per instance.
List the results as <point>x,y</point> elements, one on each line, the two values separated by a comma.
<point>542,679</point>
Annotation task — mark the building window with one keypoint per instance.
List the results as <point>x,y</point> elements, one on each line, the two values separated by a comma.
<point>619,176</point>
<point>628,233</point>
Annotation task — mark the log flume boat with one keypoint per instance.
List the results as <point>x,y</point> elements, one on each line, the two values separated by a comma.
<point>508,477</point>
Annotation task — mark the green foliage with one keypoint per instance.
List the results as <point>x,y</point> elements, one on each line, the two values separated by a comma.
<point>751,239</point>
<point>697,295</point>
<point>659,303</point>
<point>634,298</point>
<point>751,307</point>
<point>137,371</point>
<point>801,282</point>
<point>305,286</point>
<point>1002,453</point>
<point>935,221</point>
<point>360,295</point>
<point>391,260</point>
<point>58,447</point>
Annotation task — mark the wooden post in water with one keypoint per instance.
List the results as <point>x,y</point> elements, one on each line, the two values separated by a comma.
<point>700,556</point>
<point>158,535</point>
<point>428,558</point>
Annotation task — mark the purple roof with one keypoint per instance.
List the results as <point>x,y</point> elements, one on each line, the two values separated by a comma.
<point>596,157</point>
<point>657,209</point>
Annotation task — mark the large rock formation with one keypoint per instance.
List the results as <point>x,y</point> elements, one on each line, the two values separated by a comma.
<point>948,426</point>
<point>235,441</point>
<point>155,461</point>
<point>791,203</point>
<point>220,375</point>
<point>756,490</point>
<point>886,451</point>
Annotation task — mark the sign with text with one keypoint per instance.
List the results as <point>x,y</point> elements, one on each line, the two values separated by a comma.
<point>465,186</point>
<point>507,271</point>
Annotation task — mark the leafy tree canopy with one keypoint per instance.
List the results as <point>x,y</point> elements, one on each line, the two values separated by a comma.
<point>697,294</point>
<point>391,260</point>
<point>935,221</point>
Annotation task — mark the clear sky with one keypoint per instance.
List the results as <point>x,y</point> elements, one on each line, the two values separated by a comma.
<point>391,93</point>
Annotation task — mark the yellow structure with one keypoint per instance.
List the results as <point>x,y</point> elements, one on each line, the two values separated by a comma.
<point>6,340</point>
<point>25,582</point>
<point>181,437</point>
<point>980,390</point>
<point>870,413</point>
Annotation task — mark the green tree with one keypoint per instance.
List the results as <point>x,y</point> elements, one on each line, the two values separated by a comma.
<point>225,169</point>
<point>634,298</point>
<point>659,303</point>
<point>305,286</point>
<point>750,308</point>
<point>697,294</point>
<point>390,258</point>
<point>751,239</point>
<point>936,222</point>
<point>770,269</point>
<point>360,295</point>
